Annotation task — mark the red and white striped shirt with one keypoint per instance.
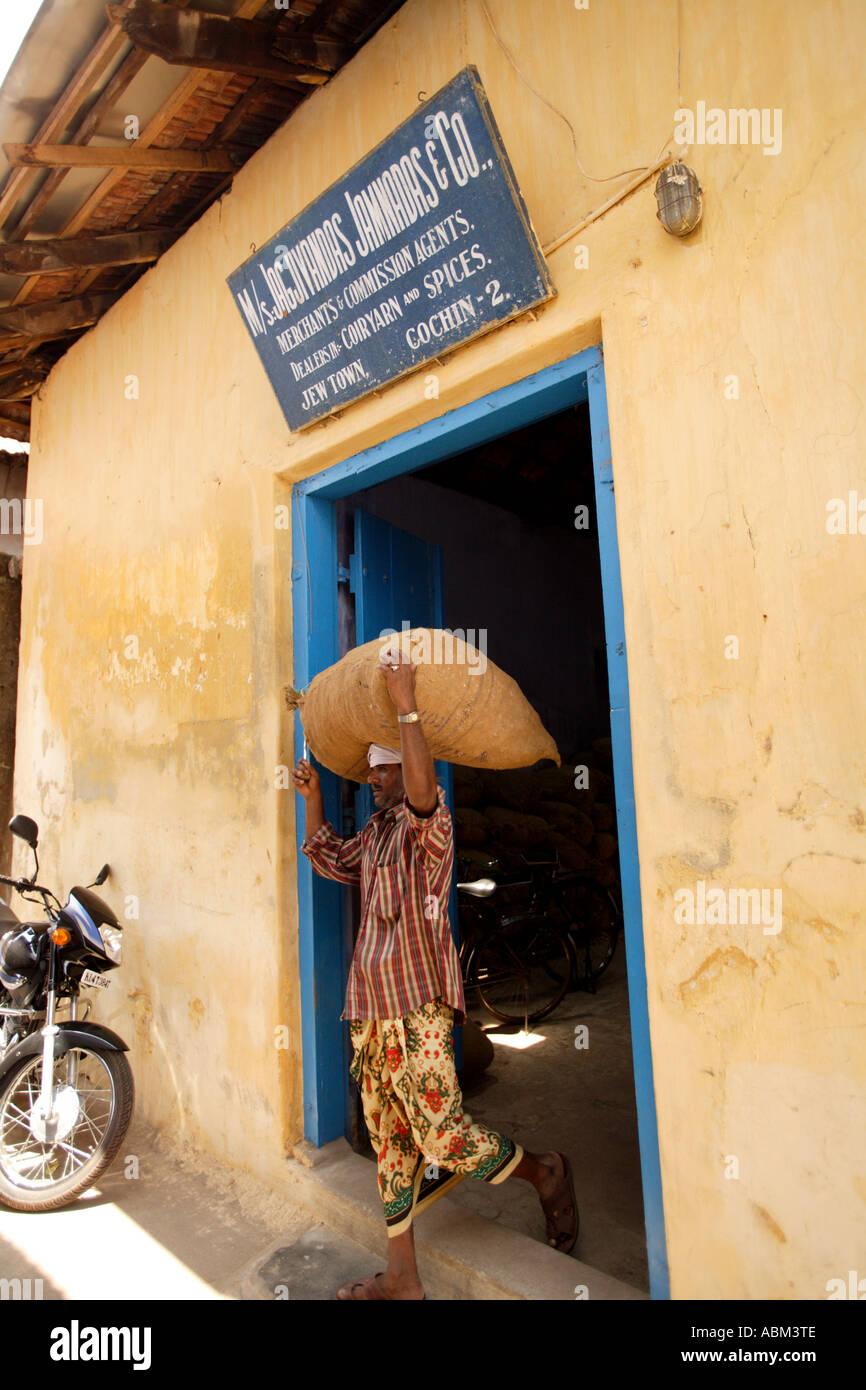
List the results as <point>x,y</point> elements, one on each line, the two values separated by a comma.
<point>404,953</point>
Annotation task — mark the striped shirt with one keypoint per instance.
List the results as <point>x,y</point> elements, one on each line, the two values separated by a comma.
<point>404,953</point>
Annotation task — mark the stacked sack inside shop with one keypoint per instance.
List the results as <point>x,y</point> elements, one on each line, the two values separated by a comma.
<point>535,810</point>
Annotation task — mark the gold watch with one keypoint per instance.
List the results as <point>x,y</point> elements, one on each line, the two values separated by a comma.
<point>412,718</point>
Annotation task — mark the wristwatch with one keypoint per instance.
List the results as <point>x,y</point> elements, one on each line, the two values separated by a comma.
<point>412,718</point>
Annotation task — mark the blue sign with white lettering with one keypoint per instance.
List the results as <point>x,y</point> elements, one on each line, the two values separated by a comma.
<point>425,244</point>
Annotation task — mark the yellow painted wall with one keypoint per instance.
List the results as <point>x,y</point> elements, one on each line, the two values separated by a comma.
<point>748,772</point>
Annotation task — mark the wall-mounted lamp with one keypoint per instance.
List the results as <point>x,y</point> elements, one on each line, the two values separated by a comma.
<point>678,194</point>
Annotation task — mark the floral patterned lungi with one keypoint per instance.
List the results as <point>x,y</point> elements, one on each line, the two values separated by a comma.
<point>414,1113</point>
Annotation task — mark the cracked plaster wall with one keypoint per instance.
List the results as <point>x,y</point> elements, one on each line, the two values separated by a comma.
<point>748,772</point>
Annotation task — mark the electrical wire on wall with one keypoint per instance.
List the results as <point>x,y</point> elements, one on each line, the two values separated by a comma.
<point>644,172</point>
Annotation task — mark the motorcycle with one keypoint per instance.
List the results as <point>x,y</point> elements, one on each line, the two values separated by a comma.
<point>66,1088</point>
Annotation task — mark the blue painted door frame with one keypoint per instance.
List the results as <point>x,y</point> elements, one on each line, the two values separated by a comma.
<point>314,578</point>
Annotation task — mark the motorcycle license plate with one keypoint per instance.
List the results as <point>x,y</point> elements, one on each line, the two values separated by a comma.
<point>92,977</point>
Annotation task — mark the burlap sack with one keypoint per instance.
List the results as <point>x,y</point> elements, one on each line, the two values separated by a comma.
<point>514,828</point>
<point>470,827</point>
<point>474,716</point>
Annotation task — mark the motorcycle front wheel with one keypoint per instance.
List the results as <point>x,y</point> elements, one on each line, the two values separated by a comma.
<point>43,1169</point>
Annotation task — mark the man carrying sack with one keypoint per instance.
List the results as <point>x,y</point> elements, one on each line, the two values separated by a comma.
<point>405,989</point>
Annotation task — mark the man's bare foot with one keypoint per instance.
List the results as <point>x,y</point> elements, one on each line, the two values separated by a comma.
<point>399,1288</point>
<point>559,1204</point>
<point>551,1176</point>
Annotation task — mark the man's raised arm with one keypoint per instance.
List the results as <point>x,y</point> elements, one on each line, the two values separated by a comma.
<point>329,855</point>
<point>419,774</point>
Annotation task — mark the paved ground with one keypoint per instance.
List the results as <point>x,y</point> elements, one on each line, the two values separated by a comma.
<point>184,1229</point>
<point>192,1228</point>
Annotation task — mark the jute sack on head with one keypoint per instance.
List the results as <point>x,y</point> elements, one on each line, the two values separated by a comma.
<point>471,711</point>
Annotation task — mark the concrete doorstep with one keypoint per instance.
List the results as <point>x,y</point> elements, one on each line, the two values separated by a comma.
<point>460,1255</point>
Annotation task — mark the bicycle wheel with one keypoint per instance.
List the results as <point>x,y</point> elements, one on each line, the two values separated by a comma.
<point>592,920</point>
<point>522,975</point>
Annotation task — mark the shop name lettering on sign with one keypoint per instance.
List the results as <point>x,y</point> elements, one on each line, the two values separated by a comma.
<point>425,244</point>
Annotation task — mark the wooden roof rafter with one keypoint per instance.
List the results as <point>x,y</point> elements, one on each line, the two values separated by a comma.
<point>191,38</point>
<point>120,157</point>
<point>183,158</point>
<point>87,252</point>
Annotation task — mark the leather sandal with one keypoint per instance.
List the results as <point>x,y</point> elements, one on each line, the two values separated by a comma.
<point>563,1218</point>
<point>362,1288</point>
<point>366,1288</point>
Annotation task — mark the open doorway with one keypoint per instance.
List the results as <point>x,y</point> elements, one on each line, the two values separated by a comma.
<point>515,521</point>
<point>497,490</point>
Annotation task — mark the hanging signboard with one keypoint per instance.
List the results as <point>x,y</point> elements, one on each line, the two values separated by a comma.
<point>425,244</point>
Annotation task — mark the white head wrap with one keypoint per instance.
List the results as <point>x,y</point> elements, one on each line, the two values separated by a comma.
<point>377,753</point>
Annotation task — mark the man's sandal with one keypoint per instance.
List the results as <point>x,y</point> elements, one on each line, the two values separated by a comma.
<point>563,1218</point>
<point>366,1288</point>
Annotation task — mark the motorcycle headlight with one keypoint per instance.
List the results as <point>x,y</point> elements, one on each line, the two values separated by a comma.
<point>112,940</point>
